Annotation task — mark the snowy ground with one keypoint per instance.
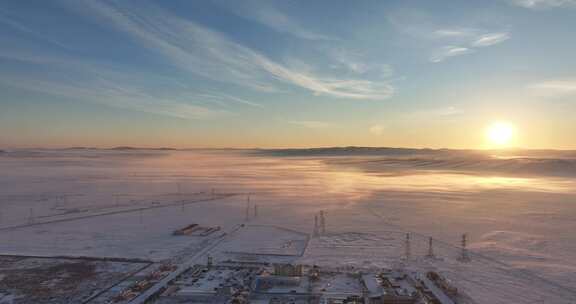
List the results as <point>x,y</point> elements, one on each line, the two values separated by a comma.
<point>520,223</point>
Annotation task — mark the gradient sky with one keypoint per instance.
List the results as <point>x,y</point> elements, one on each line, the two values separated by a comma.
<point>286,73</point>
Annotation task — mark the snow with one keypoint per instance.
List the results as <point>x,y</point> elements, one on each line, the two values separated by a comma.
<point>519,214</point>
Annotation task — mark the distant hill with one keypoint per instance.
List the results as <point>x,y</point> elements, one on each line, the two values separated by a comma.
<point>367,151</point>
<point>128,148</point>
<point>80,148</point>
<point>391,151</point>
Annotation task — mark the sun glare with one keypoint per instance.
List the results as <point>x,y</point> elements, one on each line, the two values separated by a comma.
<point>500,133</point>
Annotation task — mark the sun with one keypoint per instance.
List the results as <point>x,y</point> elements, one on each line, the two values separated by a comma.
<point>500,133</point>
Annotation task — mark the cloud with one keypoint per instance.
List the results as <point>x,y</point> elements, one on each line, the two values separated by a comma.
<point>441,113</point>
<point>225,97</point>
<point>331,86</point>
<point>377,130</point>
<point>543,4</point>
<point>490,39</point>
<point>95,82</point>
<point>265,13</point>
<point>554,88</point>
<point>207,53</point>
<point>453,33</point>
<point>350,63</point>
<point>353,62</point>
<point>311,124</point>
<point>22,28</point>
<point>469,37</point>
<point>449,51</point>
<point>446,42</point>
<point>117,96</point>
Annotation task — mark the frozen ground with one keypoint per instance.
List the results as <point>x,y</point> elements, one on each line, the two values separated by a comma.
<point>519,213</point>
<point>40,280</point>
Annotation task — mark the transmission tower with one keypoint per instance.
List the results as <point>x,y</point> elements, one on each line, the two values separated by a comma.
<point>322,223</point>
<point>315,225</point>
<point>408,252</point>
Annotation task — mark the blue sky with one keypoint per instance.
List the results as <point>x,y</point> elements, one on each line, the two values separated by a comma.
<point>286,73</point>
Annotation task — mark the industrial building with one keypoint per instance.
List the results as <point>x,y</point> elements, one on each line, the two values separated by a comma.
<point>293,284</point>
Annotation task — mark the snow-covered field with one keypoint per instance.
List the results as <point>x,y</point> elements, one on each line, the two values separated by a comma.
<point>519,213</point>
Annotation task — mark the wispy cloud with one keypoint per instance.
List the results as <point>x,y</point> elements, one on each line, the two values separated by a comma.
<point>85,81</point>
<point>4,18</point>
<point>554,88</point>
<point>454,33</point>
<point>210,54</point>
<point>490,39</point>
<point>264,12</point>
<point>224,98</point>
<point>311,124</point>
<point>543,4</point>
<point>353,62</point>
<point>449,51</point>
<point>331,86</point>
<point>445,41</point>
<point>347,60</point>
<point>118,96</point>
<point>469,40</point>
<point>472,37</point>
<point>442,113</point>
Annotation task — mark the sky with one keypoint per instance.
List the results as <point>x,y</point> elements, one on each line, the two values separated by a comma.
<point>290,73</point>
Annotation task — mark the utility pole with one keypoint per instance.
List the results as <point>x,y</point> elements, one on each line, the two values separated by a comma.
<point>255,210</point>
<point>116,200</point>
<point>59,201</point>
<point>430,248</point>
<point>464,257</point>
<point>315,225</point>
<point>210,261</point>
<point>407,248</point>
<point>322,223</point>
<point>31,216</point>
<point>248,207</point>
